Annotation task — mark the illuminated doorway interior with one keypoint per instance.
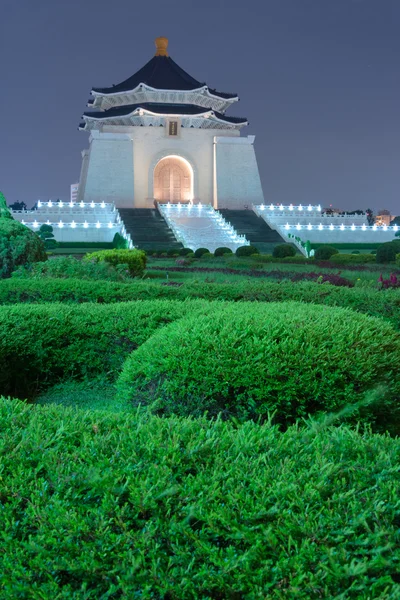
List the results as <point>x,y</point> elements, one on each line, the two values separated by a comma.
<point>173,180</point>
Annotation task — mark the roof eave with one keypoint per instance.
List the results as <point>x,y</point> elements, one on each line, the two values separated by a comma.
<point>203,88</point>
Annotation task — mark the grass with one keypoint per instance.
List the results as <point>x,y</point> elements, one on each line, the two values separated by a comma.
<point>93,394</point>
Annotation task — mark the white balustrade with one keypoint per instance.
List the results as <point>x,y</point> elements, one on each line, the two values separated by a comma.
<point>309,223</point>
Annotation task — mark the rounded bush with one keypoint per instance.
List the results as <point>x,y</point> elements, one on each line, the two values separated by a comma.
<point>246,251</point>
<point>246,361</point>
<point>325,252</point>
<point>18,246</point>
<point>173,252</point>
<point>387,252</point>
<point>356,252</point>
<point>134,259</point>
<point>283,250</point>
<point>185,251</point>
<point>221,251</point>
<point>200,251</point>
<point>354,259</point>
<point>56,341</point>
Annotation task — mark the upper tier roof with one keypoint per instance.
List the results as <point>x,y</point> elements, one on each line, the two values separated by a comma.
<point>161,109</point>
<point>161,73</point>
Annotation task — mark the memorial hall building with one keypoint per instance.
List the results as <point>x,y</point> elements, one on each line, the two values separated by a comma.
<point>162,135</point>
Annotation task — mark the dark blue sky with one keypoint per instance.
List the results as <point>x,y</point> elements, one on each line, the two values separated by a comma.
<point>319,81</point>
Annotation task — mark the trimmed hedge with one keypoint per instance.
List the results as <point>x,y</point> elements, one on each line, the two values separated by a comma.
<point>134,259</point>
<point>67,267</point>
<point>352,259</point>
<point>40,345</point>
<point>89,245</point>
<point>283,251</point>
<point>248,361</point>
<point>120,506</point>
<point>387,252</point>
<point>347,246</point>
<point>246,251</point>
<point>325,252</point>
<point>222,250</point>
<point>18,246</point>
<point>200,252</point>
<point>385,304</point>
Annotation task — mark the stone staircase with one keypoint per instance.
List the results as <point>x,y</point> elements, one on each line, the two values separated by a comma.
<point>247,223</point>
<point>148,229</point>
<point>200,226</point>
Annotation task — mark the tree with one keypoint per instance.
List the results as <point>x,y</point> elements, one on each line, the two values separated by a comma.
<point>370,216</point>
<point>18,206</point>
<point>4,210</point>
<point>395,221</point>
<point>47,236</point>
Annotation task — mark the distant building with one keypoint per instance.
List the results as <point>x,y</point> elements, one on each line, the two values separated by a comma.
<point>383,217</point>
<point>74,192</point>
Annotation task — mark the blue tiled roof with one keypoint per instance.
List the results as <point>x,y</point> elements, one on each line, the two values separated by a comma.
<point>161,73</point>
<point>162,109</point>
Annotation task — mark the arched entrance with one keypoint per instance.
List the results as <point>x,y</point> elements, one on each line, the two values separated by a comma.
<point>173,180</point>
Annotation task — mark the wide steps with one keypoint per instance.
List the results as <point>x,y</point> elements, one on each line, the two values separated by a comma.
<point>247,223</point>
<point>148,229</point>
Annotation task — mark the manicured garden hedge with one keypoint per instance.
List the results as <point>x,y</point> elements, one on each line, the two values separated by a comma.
<point>377,303</point>
<point>120,506</point>
<point>248,361</point>
<point>40,345</point>
<point>134,259</point>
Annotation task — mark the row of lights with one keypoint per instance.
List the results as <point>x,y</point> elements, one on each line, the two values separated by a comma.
<point>291,207</point>
<point>179,206</point>
<point>71,204</point>
<point>60,224</point>
<point>341,227</point>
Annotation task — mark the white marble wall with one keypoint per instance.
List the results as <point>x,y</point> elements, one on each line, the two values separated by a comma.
<point>237,181</point>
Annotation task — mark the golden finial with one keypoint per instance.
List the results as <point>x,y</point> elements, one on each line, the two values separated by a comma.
<point>161,45</point>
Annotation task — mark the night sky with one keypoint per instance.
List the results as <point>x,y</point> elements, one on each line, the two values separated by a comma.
<point>319,81</point>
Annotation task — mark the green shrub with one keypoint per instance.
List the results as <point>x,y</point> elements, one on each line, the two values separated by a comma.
<point>221,251</point>
<point>355,252</point>
<point>101,506</point>
<point>18,246</point>
<point>185,251</point>
<point>387,252</point>
<point>370,301</point>
<point>40,345</point>
<point>173,252</point>
<point>283,250</point>
<point>248,361</point>
<point>89,245</point>
<point>352,259</point>
<point>200,251</point>
<point>246,251</point>
<point>298,259</point>
<point>119,242</point>
<point>134,259</point>
<point>325,252</point>
<point>68,267</point>
<point>262,258</point>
